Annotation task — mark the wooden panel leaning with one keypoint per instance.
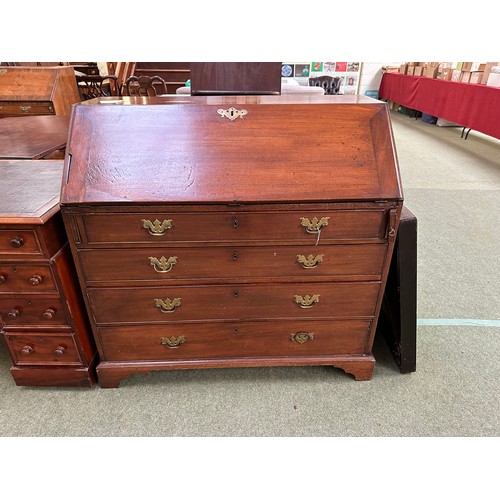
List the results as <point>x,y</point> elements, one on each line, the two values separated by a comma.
<point>42,315</point>
<point>27,91</point>
<point>238,231</point>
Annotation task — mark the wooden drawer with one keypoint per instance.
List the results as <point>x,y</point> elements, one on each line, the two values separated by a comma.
<point>235,226</point>
<point>160,264</point>
<point>20,242</point>
<point>187,303</point>
<point>45,349</point>
<point>26,108</point>
<point>238,339</point>
<point>32,310</point>
<point>25,278</point>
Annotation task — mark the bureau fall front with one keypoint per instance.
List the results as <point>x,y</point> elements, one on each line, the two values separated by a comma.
<point>231,231</point>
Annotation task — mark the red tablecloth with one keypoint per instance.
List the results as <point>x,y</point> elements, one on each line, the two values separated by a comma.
<point>466,104</point>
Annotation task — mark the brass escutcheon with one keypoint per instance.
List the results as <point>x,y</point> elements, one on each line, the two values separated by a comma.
<point>168,305</point>
<point>163,265</point>
<point>157,228</point>
<point>301,337</point>
<point>307,301</point>
<point>315,225</point>
<point>232,113</point>
<point>172,342</point>
<point>310,261</point>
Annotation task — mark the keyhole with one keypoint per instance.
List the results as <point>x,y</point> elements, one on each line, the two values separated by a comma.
<point>235,255</point>
<point>235,223</point>
<point>236,293</point>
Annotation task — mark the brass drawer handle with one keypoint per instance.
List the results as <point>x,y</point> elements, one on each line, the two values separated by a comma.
<point>315,225</point>
<point>157,228</point>
<point>310,261</point>
<point>172,342</point>
<point>307,301</point>
<point>163,265</point>
<point>25,109</point>
<point>168,305</point>
<point>3,278</point>
<point>301,337</point>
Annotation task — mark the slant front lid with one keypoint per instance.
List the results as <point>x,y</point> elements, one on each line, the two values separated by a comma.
<point>230,150</point>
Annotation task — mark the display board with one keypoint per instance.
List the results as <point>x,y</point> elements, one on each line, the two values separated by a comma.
<point>349,72</point>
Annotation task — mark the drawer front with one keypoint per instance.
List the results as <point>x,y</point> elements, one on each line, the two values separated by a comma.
<point>238,339</point>
<point>159,227</point>
<point>167,264</point>
<point>22,278</point>
<point>32,310</point>
<point>46,349</point>
<point>19,242</point>
<point>186,303</point>
<point>26,108</point>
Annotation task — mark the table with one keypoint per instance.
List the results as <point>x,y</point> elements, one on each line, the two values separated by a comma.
<point>472,106</point>
<point>32,137</point>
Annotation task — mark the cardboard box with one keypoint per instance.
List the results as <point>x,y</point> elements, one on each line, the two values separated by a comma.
<point>456,75</point>
<point>403,68</point>
<point>431,71</point>
<point>487,71</point>
<point>465,76</point>
<point>410,70</point>
<point>466,66</point>
<point>476,77</point>
<point>447,73</point>
<point>477,67</point>
<point>418,71</point>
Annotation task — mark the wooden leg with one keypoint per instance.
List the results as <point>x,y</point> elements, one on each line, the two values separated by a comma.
<point>362,369</point>
<point>110,375</point>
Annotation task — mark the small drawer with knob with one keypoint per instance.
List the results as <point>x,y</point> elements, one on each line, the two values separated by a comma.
<point>20,242</point>
<point>43,349</point>
<point>30,279</point>
<point>31,310</point>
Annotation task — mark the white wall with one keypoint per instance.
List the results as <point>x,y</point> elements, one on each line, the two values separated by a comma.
<point>371,75</point>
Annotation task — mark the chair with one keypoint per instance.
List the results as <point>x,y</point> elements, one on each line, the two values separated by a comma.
<point>91,86</point>
<point>145,86</point>
<point>330,84</point>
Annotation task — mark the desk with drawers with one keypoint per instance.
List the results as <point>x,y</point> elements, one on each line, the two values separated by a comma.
<point>232,231</point>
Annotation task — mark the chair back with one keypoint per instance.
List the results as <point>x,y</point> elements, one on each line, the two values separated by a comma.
<point>145,86</point>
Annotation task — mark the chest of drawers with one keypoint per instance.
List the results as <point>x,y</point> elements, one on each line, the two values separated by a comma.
<point>42,315</point>
<point>232,232</point>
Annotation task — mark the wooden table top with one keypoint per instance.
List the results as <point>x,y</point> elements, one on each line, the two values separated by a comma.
<point>29,190</point>
<point>32,137</point>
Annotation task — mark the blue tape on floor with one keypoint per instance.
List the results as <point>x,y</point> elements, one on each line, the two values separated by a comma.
<point>458,322</point>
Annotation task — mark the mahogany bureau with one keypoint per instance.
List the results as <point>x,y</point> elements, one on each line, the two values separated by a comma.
<point>231,231</point>
<point>29,91</point>
<point>42,315</point>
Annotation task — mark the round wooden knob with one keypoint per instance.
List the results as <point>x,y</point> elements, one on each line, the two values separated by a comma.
<point>49,313</point>
<point>60,350</point>
<point>14,313</point>
<point>35,280</point>
<point>27,350</point>
<point>3,278</point>
<point>16,242</point>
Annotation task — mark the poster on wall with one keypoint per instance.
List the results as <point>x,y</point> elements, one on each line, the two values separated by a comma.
<point>345,74</point>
